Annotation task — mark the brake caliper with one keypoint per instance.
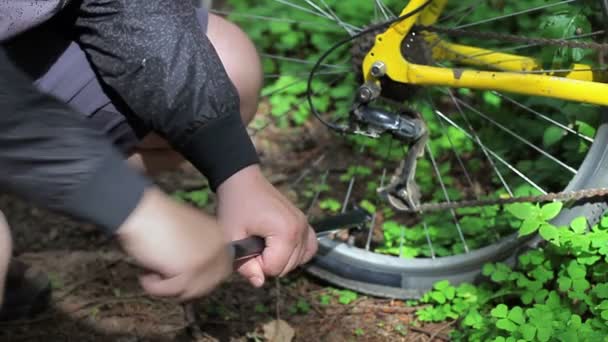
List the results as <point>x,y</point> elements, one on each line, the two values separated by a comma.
<point>402,192</point>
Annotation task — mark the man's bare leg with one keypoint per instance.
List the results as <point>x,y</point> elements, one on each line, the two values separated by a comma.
<point>243,65</point>
<point>6,248</point>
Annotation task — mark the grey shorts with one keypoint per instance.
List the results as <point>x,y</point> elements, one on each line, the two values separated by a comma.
<point>60,68</point>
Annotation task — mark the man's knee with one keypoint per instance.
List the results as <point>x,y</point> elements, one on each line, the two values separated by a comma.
<point>6,249</point>
<point>241,61</point>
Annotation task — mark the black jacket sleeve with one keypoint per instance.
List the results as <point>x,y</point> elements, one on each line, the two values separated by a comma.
<point>154,55</point>
<point>50,156</point>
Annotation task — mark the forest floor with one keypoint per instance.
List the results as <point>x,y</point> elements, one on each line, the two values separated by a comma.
<point>97,298</point>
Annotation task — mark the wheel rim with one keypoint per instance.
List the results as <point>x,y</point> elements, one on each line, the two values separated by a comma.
<point>502,245</point>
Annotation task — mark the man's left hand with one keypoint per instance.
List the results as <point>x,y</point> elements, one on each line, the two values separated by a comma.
<point>248,205</point>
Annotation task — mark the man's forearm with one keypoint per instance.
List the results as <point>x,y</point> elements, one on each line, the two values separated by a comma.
<point>154,55</point>
<point>50,156</point>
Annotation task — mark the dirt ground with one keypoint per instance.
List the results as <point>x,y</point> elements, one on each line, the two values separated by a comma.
<point>96,296</point>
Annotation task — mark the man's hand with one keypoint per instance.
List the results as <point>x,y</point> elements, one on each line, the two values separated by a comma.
<point>248,205</point>
<point>185,251</point>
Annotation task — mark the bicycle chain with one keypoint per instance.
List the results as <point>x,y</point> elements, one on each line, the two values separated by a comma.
<point>574,195</point>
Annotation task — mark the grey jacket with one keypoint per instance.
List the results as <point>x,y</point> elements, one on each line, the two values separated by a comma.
<point>17,16</point>
<point>152,55</point>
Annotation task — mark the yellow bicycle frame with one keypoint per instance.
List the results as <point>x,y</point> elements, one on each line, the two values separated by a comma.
<point>510,74</point>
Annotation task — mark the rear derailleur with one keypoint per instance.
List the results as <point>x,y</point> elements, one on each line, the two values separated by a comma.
<point>402,192</point>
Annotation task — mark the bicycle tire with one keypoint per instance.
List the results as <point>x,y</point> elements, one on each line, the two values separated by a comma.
<point>393,277</point>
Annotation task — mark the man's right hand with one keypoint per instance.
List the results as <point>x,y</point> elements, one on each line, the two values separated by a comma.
<point>185,251</point>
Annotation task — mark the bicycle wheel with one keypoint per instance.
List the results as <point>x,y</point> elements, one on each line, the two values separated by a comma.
<point>475,147</point>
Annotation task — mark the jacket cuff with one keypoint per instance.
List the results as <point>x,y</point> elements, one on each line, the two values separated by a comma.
<point>220,149</point>
<point>110,196</point>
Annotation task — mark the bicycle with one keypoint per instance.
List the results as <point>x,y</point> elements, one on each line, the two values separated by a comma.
<point>406,53</point>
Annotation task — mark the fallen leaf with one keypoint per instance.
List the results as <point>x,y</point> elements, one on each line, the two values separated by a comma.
<point>278,331</point>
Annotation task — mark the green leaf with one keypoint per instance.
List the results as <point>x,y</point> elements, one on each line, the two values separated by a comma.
<point>487,269</point>
<point>604,222</point>
<point>552,136</point>
<point>505,324</point>
<point>368,206</point>
<point>441,285</point>
<point>261,308</point>
<point>473,319</point>
<point>517,315</point>
<point>450,293</point>
<point>579,225</point>
<point>346,296</point>
<point>603,305</point>
<point>528,331</point>
<point>492,99</point>
<point>324,299</point>
<point>564,283</point>
<point>601,290</point>
<point>522,210</point>
<point>303,306</point>
<point>549,233</point>
<point>544,332</point>
<point>330,204</point>
<point>438,297</point>
<point>604,315</point>
<point>580,285</point>
<point>551,210</point>
<point>500,311</point>
<point>529,226</point>
<point>576,271</point>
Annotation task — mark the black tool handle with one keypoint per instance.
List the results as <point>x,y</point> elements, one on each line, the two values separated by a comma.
<point>248,247</point>
<point>254,245</point>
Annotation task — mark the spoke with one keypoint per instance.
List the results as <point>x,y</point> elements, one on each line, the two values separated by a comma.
<point>302,74</point>
<point>303,61</point>
<point>283,88</point>
<point>383,9</point>
<point>428,238</point>
<point>517,136</point>
<point>478,140</point>
<point>544,117</point>
<point>308,170</point>
<point>351,183</point>
<point>401,240</point>
<point>315,198</point>
<point>457,12</point>
<point>496,156</point>
<point>237,15</point>
<point>447,197</point>
<point>307,10</point>
<point>453,147</point>
<point>529,10</point>
<point>373,222</point>
<point>351,30</point>
<point>302,8</point>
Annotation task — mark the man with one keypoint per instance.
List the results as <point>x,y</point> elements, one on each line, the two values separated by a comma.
<point>86,83</point>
